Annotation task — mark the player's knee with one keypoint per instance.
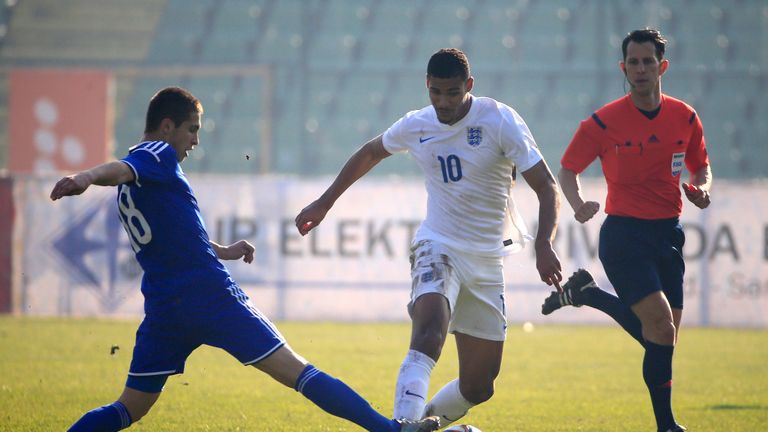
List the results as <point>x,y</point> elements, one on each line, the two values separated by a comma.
<point>137,415</point>
<point>660,331</point>
<point>140,394</point>
<point>431,336</point>
<point>137,410</point>
<point>283,365</point>
<point>428,335</point>
<point>428,340</point>
<point>477,393</point>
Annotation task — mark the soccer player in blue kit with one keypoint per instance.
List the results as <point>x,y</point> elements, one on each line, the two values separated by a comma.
<point>190,297</point>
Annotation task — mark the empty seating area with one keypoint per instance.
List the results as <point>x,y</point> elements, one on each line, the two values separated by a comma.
<point>77,31</point>
<point>320,77</point>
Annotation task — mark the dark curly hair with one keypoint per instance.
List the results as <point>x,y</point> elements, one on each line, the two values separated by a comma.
<point>448,63</point>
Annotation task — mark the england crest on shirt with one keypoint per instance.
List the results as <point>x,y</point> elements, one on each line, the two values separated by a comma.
<point>474,136</point>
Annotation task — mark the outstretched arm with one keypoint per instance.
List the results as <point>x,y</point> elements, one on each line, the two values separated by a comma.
<point>541,180</point>
<point>357,166</point>
<point>582,210</point>
<point>697,191</point>
<point>241,249</point>
<point>108,174</point>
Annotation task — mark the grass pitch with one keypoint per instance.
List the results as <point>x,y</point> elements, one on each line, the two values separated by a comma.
<point>555,378</point>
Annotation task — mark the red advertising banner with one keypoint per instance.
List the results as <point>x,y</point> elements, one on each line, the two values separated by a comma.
<point>6,242</point>
<point>59,120</point>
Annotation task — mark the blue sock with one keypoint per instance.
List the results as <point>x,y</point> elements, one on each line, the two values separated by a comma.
<point>108,418</point>
<point>657,373</point>
<point>616,309</point>
<point>336,398</point>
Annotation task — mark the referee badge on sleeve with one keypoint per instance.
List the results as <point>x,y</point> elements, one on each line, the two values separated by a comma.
<point>677,163</point>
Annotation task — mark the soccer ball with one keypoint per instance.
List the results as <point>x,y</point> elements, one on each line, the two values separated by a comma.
<point>462,428</point>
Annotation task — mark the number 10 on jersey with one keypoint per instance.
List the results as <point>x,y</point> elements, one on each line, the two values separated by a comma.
<point>451,168</point>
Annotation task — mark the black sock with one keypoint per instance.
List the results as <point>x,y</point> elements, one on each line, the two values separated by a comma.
<point>616,309</point>
<point>657,373</point>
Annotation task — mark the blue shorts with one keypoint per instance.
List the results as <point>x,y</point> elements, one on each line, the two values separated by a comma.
<point>641,257</point>
<point>227,320</point>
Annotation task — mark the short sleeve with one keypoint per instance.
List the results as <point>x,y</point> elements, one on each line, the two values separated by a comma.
<point>395,138</point>
<point>696,153</point>
<point>517,143</point>
<point>585,146</point>
<point>152,163</point>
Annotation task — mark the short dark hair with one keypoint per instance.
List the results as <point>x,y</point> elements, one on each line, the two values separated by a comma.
<point>643,36</point>
<point>448,63</point>
<point>174,103</point>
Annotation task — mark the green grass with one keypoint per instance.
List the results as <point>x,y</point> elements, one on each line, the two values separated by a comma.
<point>556,378</point>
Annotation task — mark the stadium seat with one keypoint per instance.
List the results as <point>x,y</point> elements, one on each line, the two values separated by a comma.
<point>678,82</point>
<point>747,31</point>
<point>542,36</point>
<point>173,44</point>
<point>574,98</point>
<point>346,16</point>
<point>724,113</point>
<point>385,50</point>
<point>394,16</point>
<point>338,33</point>
<point>427,44</point>
<point>493,36</point>
<point>235,24</point>
<point>224,48</point>
<point>406,92</point>
<point>389,37</point>
<point>701,41</point>
<point>359,96</point>
<point>441,27</point>
<point>248,96</point>
<point>283,38</point>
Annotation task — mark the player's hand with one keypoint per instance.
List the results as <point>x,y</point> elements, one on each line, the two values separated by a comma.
<point>311,216</point>
<point>70,185</point>
<point>586,211</point>
<point>698,196</point>
<point>241,249</point>
<point>548,265</point>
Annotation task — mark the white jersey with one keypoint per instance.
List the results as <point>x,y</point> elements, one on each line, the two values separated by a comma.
<point>468,170</point>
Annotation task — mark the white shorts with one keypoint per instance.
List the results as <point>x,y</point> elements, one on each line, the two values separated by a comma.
<point>473,285</point>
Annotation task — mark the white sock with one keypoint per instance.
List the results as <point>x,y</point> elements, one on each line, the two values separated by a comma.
<point>448,404</point>
<point>412,385</point>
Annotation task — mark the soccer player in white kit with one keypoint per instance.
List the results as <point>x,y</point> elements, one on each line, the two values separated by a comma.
<point>469,149</point>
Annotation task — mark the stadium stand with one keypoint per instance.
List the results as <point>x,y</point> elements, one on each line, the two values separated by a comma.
<point>79,31</point>
<point>725,113</point>
<point>341,71</point>
<point>377,35</point>
<point>340,34</point>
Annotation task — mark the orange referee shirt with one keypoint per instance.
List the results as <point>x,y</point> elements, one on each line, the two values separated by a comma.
<point>642,158</point>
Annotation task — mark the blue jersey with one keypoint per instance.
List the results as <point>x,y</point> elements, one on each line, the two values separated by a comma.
<point>166,230</point>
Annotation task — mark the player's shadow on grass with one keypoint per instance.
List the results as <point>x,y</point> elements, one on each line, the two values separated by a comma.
<point>733,407</point>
